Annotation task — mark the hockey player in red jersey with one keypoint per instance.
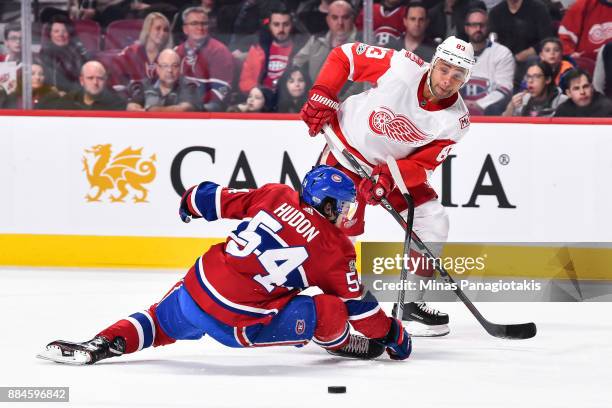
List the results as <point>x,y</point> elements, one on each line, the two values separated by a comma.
<point>413,114</point>
<point>245,292</point>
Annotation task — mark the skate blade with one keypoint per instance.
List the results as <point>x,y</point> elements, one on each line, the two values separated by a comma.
<point>54,353</point>
<point>417,329</point>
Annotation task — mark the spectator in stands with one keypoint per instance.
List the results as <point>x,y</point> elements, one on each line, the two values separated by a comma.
<point>447,18</point>
<point>312,15</point>
<point>490,86</point>
<point>415,23</point>
<point>40,91</point>
<point>292,91</point>
<point>602,77</point>
<point>260,99</point>
<point>137,62</point>
<point>541,97</point>
<point>170,93</point>
<point>205,60</point>
<point>211,7</point>
<point>341,23</point>
<point>584,101</point>
<point>243,20</point>
<point>63,55</point>
<point>92,95</point>
<point>551,53</point>
<point>585,27</point>
<point>389,22</point>
<point>104,11</point>
<point>520,25</point>
<point>12,43</point>
<point>268,59</point>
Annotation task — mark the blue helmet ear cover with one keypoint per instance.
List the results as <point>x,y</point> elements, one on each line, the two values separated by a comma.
<point>325,182</point>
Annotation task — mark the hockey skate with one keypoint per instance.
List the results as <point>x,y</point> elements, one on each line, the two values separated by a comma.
<point>360,347</point>
<point>424,321</point>
<point>87,352</point>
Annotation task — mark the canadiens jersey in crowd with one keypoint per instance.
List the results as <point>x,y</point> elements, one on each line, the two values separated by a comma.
<point>281,247</point>
<point>393,118</point>
<point>492,76</point>
<point>388,24</point>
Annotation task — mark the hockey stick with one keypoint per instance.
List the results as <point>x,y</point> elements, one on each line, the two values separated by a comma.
<point>398,311</point>
<point>504,331</point>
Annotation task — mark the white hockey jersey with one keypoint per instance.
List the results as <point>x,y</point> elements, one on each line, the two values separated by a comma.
<point>393,118</point>
<point>492,76</point>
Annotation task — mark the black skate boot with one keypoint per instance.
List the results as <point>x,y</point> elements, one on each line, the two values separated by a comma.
<point>428,322</point>
<point>360,347</point>
<point>87,352</point>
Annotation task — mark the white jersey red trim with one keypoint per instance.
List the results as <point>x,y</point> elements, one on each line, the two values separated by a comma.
<point>393,118</point>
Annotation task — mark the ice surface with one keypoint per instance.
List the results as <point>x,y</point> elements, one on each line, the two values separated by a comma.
<point>567,364</point>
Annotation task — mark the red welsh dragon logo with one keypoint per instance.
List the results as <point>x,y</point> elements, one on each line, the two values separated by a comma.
<point>397,127</point>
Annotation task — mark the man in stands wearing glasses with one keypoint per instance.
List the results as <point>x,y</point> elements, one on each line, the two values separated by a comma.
<point>170,92</point>
<point>205,60</point>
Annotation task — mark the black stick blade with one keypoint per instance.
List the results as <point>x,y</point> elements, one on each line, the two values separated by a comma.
<point>512,331</point>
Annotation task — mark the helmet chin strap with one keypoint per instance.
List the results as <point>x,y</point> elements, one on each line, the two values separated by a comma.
<point>428,81</point>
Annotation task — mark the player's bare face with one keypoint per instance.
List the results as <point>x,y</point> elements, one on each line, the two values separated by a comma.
<point>446,79</point>
<point>280,27</point>
<point>581,91</point>
<point>296,85</point>
<point>551,53</point>
<point>195,26</point>
<point>416,22</point>
<point>159,32</point>
<point>59,34</point>
<point>476,27</point>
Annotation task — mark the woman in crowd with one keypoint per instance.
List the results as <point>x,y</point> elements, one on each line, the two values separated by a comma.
<point>41,91</point>
<point>551,52</point>
<point>293,88</point>
<point>137,61</point>
<point>63,55</point>
<point>259,100</point>
<point>541,97</point>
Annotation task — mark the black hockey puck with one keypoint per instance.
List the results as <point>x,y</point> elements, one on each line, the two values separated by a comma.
<point>336,389</point>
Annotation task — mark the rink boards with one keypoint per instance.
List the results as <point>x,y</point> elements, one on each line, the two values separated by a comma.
<point>91,191</point>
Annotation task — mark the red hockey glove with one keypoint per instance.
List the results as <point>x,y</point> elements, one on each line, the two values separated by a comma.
<point>319,109</point>
<point>397,341</point>
<point>374,191</point>
<point>185,211</point>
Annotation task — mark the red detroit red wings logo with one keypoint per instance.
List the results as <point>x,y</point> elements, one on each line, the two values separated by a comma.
<point>397,127</point>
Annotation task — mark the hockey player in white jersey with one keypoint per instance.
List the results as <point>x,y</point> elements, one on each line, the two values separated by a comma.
<point>413,113</point>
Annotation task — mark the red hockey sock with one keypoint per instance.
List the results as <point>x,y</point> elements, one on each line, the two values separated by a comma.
<point>332,330</point>
<point>140,330</point>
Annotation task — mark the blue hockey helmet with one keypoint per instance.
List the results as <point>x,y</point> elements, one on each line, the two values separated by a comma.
<point>325,182</point>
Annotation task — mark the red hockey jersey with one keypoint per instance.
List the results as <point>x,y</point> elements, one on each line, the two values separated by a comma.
<point>210,65</point>
<point>387,24</point>
<point>132,64</point>
<point>586,27</point>
<point>281,247</point>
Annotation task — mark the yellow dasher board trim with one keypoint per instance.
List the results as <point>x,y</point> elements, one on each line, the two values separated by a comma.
<point>101,251</point>
<point>37,250</point>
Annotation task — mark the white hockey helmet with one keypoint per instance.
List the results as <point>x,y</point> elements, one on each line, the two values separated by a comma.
<point>456,52</point>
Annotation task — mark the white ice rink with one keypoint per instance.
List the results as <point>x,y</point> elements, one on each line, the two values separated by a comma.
<point>568,363</point>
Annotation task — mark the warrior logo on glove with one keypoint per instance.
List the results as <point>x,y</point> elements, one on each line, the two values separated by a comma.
<point>397,127</point>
